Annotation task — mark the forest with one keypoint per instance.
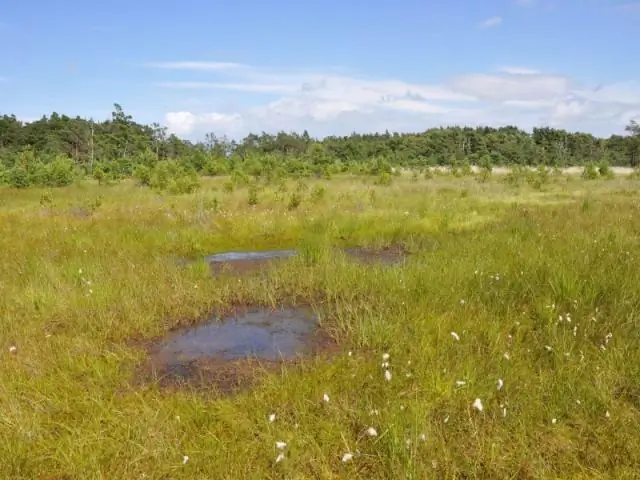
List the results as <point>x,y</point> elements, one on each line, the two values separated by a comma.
<point>58,149</point>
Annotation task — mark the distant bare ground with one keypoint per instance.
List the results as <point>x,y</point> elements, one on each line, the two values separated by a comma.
<point>567,170</point>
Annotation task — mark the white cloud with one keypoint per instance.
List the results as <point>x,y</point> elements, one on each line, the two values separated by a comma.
<point>491,22</point>
<point>519,71</point>
<point>511,87</point>
<point>339,103</point>
<point>185,122</point>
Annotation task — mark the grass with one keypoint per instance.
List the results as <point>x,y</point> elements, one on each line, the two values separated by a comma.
<point>88,269</point>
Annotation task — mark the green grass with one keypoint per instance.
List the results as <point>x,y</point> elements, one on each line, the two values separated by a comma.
<point>497,264</point>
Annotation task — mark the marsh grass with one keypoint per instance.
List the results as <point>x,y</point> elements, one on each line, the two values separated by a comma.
<point>540,290</point>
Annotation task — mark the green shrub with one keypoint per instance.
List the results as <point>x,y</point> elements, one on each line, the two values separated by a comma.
<point>384,179</point>
<point>590,172</point>
<point>605,170</point>
<point>253,195</point>
<point>173,177</point>
<point>294,201</point>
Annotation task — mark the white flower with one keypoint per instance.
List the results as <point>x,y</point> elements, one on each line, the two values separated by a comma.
<point>280,457</point>
<point>500,384</point>
<point>460,383</point>
<point>385,365</point>
<point>462,302</point>
<point>385,357</point>
<point>13,349</point>
<point>554,421</point>
<point>477,404</point>
<point>387,375</point>
<point>607,414</point>
<point>272,417</point>
<point>347,457</point>
<point>325,398</point>
<point>185,459</point>
<point>350,353</point>
<point>281,445</point>
<point>455,336</point>
<point>372,432</point>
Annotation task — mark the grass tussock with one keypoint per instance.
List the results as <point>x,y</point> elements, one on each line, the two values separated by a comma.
<point>522,298</point>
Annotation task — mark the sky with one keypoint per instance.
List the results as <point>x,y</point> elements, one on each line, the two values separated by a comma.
<point>329,67</point>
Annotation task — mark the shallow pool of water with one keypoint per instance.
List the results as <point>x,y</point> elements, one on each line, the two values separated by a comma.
<point>249,256</point>
<point>255,333</point>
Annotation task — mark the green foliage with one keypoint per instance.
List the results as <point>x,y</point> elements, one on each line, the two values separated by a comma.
<point>173,177</point>
<point>253,195</point>
<point>120,148</point>
<point>590,172</point>
<point>605,170</point>
<point>317,194</point>
<point>142,175</point>
<point>384,179</point>
<point>295,199</point>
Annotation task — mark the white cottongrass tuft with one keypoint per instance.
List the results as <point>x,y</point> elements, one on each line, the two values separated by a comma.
<point>506,356</point>
<point>281,445</point>
<point>325,398</point>
<point>422,437</point>
<point>548,348</point>
<point>500,384</point>
<point>280,457</point>
<point>272,418</point>
<point>347,457</point>
<point>372,432</point>
<point>385,357</point>
<point>185,459</point>
<point>387,375</point>
<point>607,414</point>
<point>477,404</point>
<point>460,383</point>
<point>455,336</point>
<point>554,421</point>
<point>13,349</point>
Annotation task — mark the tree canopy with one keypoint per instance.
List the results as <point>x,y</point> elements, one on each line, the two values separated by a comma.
<point>115,147</point>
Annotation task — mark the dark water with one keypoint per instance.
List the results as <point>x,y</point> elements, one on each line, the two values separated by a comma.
<point>256,333</point>
<point>249,256</point>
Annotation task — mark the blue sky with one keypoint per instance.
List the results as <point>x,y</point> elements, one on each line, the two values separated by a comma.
<point>328,67</point>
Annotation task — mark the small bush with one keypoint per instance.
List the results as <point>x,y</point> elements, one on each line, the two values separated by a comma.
<point>142,175</point>
<point>317,194</point>
<point>170,176</point>
<point>589,172</point>
<point>384,179</point>
<point>605,170</point>
<point>294,201</point>
<point>253,195</point>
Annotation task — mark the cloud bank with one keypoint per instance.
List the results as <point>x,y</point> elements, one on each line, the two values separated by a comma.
<point>338,103</point>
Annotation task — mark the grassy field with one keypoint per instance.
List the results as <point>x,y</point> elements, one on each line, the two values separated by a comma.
<point>531,290</point>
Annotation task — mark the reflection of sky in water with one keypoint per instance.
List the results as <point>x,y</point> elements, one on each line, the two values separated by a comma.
<point>261,333</point>
<point>232,256</point>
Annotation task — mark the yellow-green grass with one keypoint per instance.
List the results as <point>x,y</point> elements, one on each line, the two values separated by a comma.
<point>498,265</point>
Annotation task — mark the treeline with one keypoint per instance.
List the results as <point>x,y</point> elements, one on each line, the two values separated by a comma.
<point>56,150</point>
